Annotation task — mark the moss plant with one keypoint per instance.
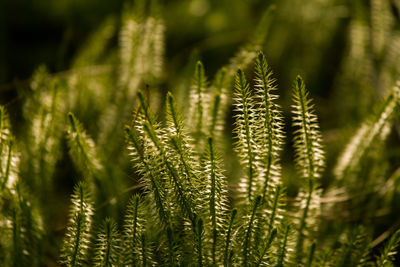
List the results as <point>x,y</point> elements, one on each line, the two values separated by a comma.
<point>200,178</point>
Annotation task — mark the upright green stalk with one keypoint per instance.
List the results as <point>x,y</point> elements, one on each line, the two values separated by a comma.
<point>271,126</point>
<point>76,244</point>
<point>249,229</point>
<point>143,250</point>
<point>212,200</point>
<point>309,154</point>
<point>283,248</point>
<point>271,236</point>
<point>199,237</point>
<point>107,249</point>
<point>311,255</point>
<point>198,103</point>
<point>244,130</point>
<point>228,238</point>
<point>274,208</point>
<point>134,228</point>
<point>218,105</point>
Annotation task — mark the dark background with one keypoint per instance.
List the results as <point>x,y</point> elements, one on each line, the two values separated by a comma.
<point>50,32</point>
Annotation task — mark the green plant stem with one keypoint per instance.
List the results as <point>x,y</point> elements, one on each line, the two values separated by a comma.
<point>311,255</point>
<point>267,122</point>
<point>108,245</point>
<point>241,81</point>
<point>247,240</point>
<point>274,208</point>
<point>144,259</point>
<point>270,238</point>
<point>171,246</point>
<point>199,106</point>
<point>282,253</point>
<point>200,242</point>
<point>300,237</point>
<point>212,200</point>
<point>310,161</point>
<point>228,238</point>
<point>214,113</point>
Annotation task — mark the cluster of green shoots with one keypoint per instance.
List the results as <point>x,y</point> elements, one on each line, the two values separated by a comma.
<point>184,208</point>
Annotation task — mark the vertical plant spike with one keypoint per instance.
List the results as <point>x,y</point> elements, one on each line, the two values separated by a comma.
<point>274,208</point>
<point>271,236</point>
<point>107,247</point>
<point>76,244</point>
<point>198,103</point>
<point>83,151</point>
<point>134,227</point>
<point>245,133</point>
<point>213,195</point>
<point>307,140</point>
<point>390,251</point>
<point>219,105</point>
<point>283,249</point>
<point>270,129</point>
<point>247,244</point>
<point>217,200</point>
<point>154,184</point>
<point>308,149</point>
<point>373,129</point>
<point>174,117</point>
<point>216,106</point>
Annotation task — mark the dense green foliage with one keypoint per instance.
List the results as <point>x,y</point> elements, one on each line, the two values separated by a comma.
<point>200,175</point>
